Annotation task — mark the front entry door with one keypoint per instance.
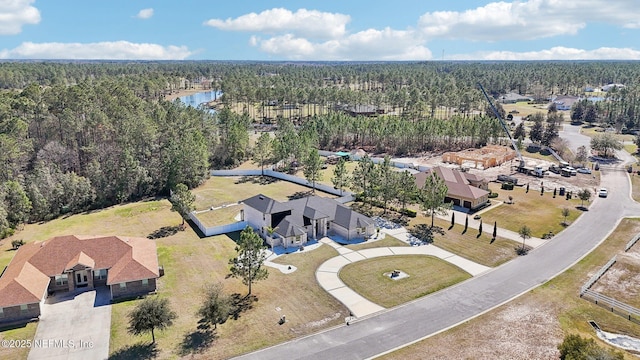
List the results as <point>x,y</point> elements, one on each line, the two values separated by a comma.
<point>81,278</point>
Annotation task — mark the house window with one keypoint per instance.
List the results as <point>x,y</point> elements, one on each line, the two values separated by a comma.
<point>145,282</point>
<point>123,285</point>
<point>100,274</point>
<point>24,307</point>
<point>62,279</point>
<point>1,312</point>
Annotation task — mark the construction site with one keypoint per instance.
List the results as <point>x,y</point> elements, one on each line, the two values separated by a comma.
<point>483,158</point>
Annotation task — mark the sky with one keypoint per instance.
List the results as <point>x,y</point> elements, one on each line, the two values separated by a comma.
<point>329,30</point>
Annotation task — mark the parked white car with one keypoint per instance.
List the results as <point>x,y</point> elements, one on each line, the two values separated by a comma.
<point>584,170</point>
<point>603,192</point>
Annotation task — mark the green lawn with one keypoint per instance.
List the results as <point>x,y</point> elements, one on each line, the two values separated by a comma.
<point>26,332</point>
<point>217,217</point>
<point>540,213</point>
<point>219,190</point>
<point>427,274</point>
<point>501,331</point>
<point>635,187</point>
<point>596,130</point>
<point>631,148</point>
<point>468,245</point>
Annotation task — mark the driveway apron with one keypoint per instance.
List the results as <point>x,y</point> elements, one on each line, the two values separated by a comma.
<point>74,326</point>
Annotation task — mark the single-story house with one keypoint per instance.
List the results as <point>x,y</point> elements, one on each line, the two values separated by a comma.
<point>464,189</point>
<point>512,98</point>
<point>127,265</point>
<point>295,221</point>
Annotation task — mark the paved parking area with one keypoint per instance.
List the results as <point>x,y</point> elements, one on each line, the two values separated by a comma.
<point>74,326</point>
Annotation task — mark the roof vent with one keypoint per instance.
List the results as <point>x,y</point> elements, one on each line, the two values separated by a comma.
<point>261,197</point>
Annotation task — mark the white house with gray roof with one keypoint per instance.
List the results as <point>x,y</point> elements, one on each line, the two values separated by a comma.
<point>296,221</point>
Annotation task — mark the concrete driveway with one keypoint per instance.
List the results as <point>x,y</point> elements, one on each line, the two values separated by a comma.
<point>74,326</point>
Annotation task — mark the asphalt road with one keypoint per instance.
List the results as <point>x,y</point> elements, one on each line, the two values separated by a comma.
<point>424,317</point>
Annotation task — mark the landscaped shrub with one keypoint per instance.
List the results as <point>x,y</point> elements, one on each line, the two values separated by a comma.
<point>15,244</point>
<point>409,212</point>
<point>507,186</point>
<point>493,195</point>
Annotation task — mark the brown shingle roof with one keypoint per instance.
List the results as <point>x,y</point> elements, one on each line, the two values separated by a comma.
<point>21,282</point>
<point>27,277</point>
<point>458,186</point>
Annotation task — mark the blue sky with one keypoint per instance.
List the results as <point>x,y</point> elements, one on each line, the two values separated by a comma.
<point>314,30</point>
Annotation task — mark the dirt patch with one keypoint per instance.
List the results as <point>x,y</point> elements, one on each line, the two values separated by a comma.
<point>518,331</point>
<point>622,280</point>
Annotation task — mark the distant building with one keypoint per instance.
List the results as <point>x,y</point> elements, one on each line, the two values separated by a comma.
<point>363,110</point>
<point>611,86</point>
<point>512,98</point>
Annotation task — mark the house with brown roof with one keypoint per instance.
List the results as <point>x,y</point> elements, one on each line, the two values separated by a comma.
<point>127,265</point>
<point>463,189</point>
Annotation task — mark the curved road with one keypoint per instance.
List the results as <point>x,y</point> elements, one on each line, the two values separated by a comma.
<point>424,317</point>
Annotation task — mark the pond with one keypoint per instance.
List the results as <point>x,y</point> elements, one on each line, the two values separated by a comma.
<point>200,98</point>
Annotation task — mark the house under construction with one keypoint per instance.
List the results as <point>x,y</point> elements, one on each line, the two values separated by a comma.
<point>483,158</point>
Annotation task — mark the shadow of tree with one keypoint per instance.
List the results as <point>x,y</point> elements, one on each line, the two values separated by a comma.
<point>197,341</point>
<point>299,195</point>
<point>240,304</point>
<point>259,179</point>
<point>139,351</point>
<point>425,232</point>
<point>165,231</point>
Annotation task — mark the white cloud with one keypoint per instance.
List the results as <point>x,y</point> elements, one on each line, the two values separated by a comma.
<point>303,22</point>
<point>115,50</point>
<point>370,44</point>
<point>555,53</point>
<point>532,19</point>
<point>16,13</point>
<point>145,13</point>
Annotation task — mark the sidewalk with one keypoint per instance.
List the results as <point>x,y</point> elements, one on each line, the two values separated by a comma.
<point>327,273</point>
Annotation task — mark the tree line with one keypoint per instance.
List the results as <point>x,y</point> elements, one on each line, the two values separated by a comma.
<point>65,149</point>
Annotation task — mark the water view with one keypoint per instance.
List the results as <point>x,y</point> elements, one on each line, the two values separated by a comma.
<point>200,98</point>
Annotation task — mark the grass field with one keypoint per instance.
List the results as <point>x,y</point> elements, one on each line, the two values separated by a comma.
<point>227,189</point>
<point>531,326</point>
<point>388,241</point>
<point>525,109</point>
<point>540,213</point>
<point>26,332</point>
<point>427,274</point>
<point>631,148</point>
<point>596,130</point>
<point>635,187</point>
<point>468,245</point>
<point>217,217</point>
